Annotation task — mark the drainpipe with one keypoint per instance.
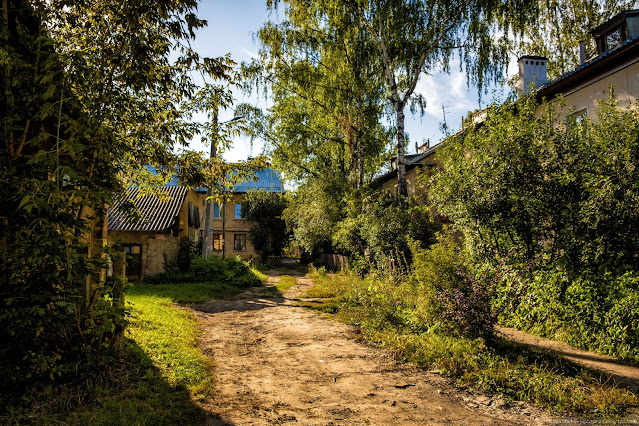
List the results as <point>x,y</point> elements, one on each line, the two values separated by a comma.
<point>223,229</point>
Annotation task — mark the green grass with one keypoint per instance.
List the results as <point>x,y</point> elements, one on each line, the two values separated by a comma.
<point>276,290</point>
<point>182,293</point>
<point>159,380</point>
<point>498,366</point>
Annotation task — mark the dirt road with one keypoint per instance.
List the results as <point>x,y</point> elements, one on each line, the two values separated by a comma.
<point>279,363</point>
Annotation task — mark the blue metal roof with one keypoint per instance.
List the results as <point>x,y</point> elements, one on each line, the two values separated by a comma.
<point>268,180</point>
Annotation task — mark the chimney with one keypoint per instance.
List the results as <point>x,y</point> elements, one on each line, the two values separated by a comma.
<point>582,52</point>
<point>532,70</point>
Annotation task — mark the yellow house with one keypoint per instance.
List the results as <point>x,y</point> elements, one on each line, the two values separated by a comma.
<point>154,238</point>
<point>616,63</point>
<point>228,230</point>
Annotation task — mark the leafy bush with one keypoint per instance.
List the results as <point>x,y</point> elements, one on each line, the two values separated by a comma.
<point>267,228</point>
<point>377,231</point>
<point>449,294</point>
<point>212,269</point>
<point>528,187</point>
<point>594,310</point>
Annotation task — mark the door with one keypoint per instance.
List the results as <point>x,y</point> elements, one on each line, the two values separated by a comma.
<point>133,254</point>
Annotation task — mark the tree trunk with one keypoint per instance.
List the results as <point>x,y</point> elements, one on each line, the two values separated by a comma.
<point>119,274</point>
<point>402,188</point>
<point>360,147</point>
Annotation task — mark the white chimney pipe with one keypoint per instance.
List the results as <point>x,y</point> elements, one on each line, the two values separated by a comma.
<point>532,71</point>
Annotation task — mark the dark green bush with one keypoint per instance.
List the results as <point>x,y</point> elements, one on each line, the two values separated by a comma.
<point>594,310</point>
<point>450,295</point>
<point>213,269</point>
<point>378,229</point>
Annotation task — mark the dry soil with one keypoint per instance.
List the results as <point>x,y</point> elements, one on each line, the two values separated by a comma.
<point>278,363</point>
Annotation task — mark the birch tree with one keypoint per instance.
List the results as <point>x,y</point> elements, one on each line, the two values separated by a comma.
<point>419,37</point>
<point>327,94</point>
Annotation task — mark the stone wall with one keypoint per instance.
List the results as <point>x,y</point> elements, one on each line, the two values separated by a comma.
<point>154,248</point>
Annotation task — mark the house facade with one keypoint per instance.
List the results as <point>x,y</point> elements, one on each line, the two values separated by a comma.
<point>616,64</point>
<point>153,239</point>
<point>228,230</point>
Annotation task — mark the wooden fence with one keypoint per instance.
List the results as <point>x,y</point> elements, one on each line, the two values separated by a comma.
<point>334,262</point>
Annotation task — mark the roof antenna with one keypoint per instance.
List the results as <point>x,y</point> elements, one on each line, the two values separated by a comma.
<point>444,125</point>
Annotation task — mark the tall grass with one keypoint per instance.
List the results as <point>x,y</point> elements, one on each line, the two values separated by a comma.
<point>395,317</point>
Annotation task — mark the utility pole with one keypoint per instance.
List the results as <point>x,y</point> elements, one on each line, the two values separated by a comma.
<point>208,229</point>
<point>208,225</point>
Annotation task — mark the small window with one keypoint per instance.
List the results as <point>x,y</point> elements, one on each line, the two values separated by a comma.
<point>239,212</point>
<point>613,39</point>
<point>239,242</point>
<point>577,118</point>
<point>217,242</point>
<point>216,211</point>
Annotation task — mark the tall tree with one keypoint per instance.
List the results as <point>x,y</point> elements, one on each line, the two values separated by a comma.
<point>327,95</point>
<point>91,90</point>
<point>415,37</point>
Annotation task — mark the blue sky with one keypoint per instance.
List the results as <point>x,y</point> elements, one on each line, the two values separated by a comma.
<point>231,29</point>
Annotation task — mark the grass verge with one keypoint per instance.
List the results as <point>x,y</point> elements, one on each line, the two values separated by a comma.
<point>498,366</point>
<point>157,381</point>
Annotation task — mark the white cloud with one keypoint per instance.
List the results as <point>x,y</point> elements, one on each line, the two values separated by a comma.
<point>249,53</point>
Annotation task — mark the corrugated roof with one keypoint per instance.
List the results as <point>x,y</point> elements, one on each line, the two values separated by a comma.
<point>158,214</point>
<point>267,180</point>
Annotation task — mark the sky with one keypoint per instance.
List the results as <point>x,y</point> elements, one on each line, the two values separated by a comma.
<point>232,28</point>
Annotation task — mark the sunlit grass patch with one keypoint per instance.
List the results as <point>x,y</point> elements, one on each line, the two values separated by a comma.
<point>181,293</point>
<point>391,317</point>
<point>168,336</point>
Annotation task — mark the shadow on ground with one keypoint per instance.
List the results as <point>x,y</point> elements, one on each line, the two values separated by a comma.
<point>125,391</point>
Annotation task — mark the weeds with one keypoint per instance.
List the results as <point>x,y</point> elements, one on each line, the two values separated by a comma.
<point>397,318</point>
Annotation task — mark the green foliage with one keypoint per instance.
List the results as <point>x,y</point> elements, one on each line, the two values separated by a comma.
<point>267,232</point>
<point>415,37</point>
<point>377,231</point>
<point>313,212</point>
<point>448,295</point>
<point>595,310</point>
<point>328,99</point>
<point>91,93</point>
<point>555,200</point>
<point>395,318</point>
<point>235,272</point>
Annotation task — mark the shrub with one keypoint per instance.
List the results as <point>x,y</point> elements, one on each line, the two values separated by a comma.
<point>212,269</point>
<point>450,295</point>
<point>593,310</point>
<point>378,229</point>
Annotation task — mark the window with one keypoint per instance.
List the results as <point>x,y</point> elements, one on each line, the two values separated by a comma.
<point>577,118</point>
<point>613,39</point>
<point>239,212</point>
<point>217,242</point>
<point>240,242</point>
<point>216,211</point>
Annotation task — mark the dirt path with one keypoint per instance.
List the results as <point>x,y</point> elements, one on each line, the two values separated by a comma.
<point>622,373</point>
<point>278,363</point>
